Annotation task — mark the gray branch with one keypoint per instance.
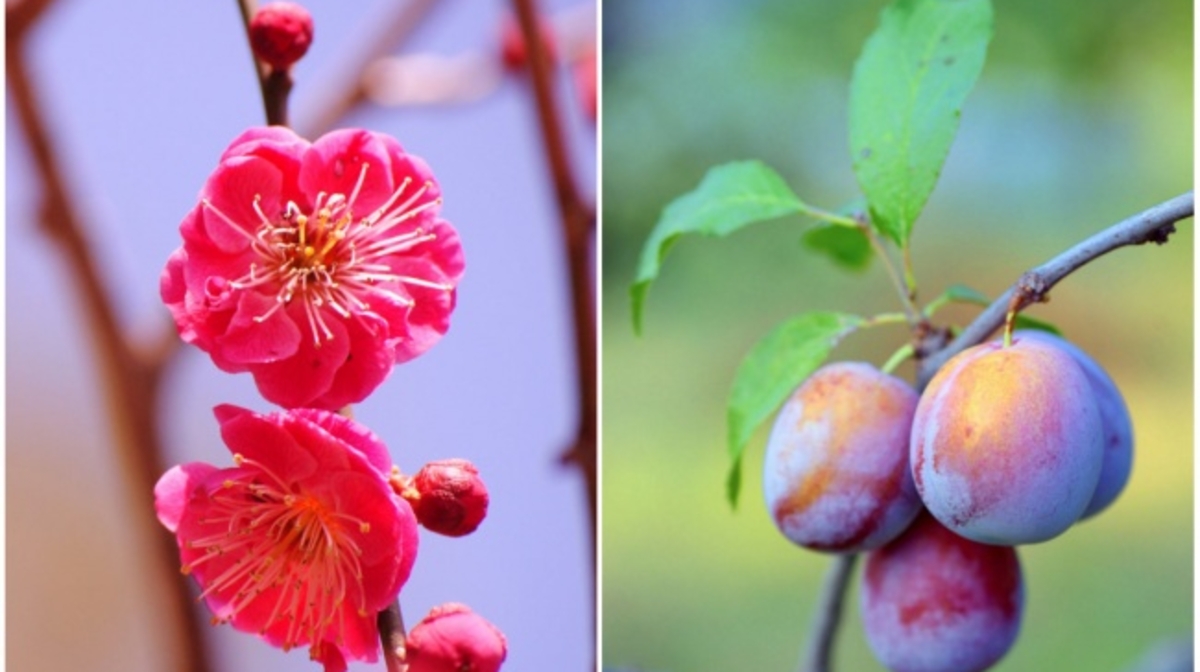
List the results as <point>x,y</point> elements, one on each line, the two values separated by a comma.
<point>1152,225</point>
<point>819,656</point>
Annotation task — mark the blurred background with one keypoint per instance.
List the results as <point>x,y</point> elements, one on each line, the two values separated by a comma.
<point>141,98</point>
<point>1083,116</point>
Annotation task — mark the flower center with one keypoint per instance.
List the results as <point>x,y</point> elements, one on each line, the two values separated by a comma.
<point>329,259</point>
<point>281,540</point>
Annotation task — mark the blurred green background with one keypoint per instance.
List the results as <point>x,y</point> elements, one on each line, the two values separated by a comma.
<point>1083,116</point>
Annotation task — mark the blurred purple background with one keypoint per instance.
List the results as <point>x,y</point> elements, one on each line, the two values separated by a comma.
<point>142,97</point>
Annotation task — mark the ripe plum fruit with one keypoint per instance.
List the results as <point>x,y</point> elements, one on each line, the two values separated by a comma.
<point>1007,443</point>
<point>933,601</point>
<point>1114,419</point>
<point>836,476</point>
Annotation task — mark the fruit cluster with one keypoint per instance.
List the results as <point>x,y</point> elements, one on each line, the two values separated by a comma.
<point>1008,445</point>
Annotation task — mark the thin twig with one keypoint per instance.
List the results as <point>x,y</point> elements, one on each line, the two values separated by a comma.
<point>337,100</point>
<point>577,223</point>
<point>275,85</point>
<point>1152,225</point>
<point>131,382</point>
<point>21,16</point>
<point>392,637</point>
<point>819,656</point>
<point>903,288</point>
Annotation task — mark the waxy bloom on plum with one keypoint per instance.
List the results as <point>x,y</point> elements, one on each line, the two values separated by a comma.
<point>314,266</point>
<point>452,638</point>
<point>302,540</point>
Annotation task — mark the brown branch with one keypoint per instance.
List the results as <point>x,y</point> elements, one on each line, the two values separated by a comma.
<point>22,16</point>
<point>391,635</point>
<point>130,382</point>
<point>577,223</point>
<point>338,102</point>
<point>275,85</point>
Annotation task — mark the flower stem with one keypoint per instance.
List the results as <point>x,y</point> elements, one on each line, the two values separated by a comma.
<point>274,84</point>
<point>393,638</point>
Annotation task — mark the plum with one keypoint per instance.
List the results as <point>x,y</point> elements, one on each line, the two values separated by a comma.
<point>933,601</point>
<point>1114,419</point>
<point>836,476</point>
<point>1007,442</point>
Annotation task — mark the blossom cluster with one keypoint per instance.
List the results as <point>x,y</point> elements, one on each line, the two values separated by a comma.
<point>316,267</point>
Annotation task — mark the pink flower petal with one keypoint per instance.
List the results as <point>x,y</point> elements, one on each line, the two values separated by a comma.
<point>334,164</point>
<point>248,340</point>
<point>331,658</point>
<point>257,438</point>
<point>369,363</point>
<point>352,434</point>
<point>231,221</point>
<point>173,490</point>
<point>308,373</point>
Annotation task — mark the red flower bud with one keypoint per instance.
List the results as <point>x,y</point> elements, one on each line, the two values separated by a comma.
<point>585,83</point>
<point>448,497</point>
<point>280,34</point>
<point>514,53</point>
<point>452,638</point>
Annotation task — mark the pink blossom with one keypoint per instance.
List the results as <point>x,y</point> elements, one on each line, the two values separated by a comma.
<point>314,266</point>
<point>302,541</point>
<point>452,638</point>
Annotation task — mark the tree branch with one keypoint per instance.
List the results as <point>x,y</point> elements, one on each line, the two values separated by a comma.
<point>130,380</point>
<point>21,16</point>
<point>339,101</point>
<point>391,635</point>
<point>819,657</point>
<point>1150,226</point>
<point>578,220</point>
<point>275,85</point>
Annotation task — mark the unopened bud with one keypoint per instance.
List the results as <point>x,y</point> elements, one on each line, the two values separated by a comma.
<point>280,34</point>
<point>452,638</point>
<point>585,83</point>
<point>448,497</point>
<point>514,52</point>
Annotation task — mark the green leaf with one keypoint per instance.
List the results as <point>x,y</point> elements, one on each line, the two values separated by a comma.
<point>772,369</point>
<point>906,96</point>
<point>964,294</point>
<point>1025,322</point>
<point>730,197</point>
<point>847,247</point>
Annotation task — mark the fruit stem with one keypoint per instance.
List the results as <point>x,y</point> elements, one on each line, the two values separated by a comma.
<point>904,352</point>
